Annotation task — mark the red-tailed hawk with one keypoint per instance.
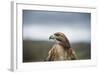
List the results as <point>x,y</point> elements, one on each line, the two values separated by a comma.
<point>61,50</point>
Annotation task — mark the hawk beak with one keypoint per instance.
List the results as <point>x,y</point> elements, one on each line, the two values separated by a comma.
<point>52,37</point>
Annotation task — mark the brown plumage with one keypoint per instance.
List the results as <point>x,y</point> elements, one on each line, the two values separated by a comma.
<point>61,50</point>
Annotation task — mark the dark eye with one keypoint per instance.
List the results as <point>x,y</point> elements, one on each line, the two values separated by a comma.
<point>57,34</point>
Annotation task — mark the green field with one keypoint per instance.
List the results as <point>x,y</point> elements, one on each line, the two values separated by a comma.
<point>36,51</point>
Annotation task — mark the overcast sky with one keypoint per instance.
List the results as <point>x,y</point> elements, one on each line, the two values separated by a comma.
<point>39,25</point>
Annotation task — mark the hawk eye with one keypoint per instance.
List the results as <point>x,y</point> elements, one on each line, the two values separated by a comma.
<point>57,34</point>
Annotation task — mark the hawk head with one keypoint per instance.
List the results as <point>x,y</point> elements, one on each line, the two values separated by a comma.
<point>61,39</point>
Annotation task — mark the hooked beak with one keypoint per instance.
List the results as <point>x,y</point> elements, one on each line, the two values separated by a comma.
<point>52,37</point>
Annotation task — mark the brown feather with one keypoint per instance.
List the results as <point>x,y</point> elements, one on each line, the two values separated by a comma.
<point>64,40</point>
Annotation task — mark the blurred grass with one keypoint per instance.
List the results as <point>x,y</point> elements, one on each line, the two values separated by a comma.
<point>35,51</point>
